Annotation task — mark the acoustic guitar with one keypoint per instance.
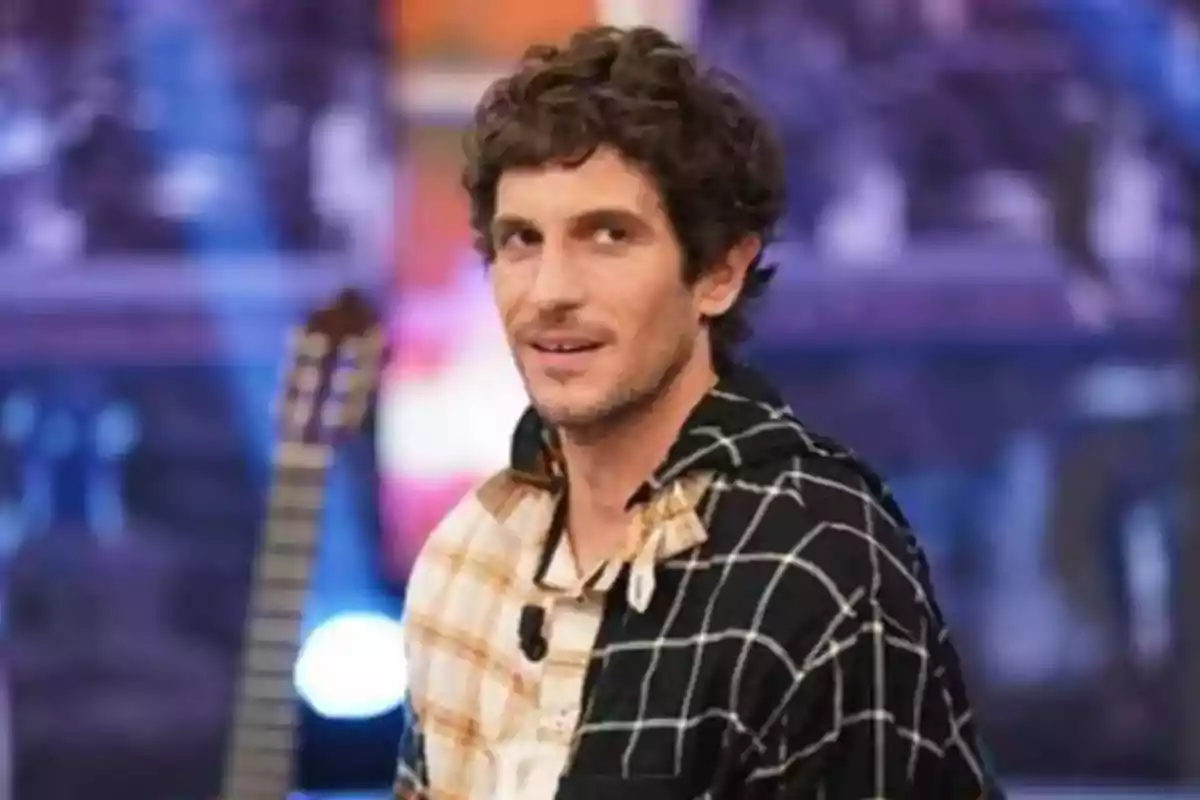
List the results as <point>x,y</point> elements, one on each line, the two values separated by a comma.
<point>331,379</point>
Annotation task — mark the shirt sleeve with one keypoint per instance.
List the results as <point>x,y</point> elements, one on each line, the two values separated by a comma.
<point>412,777</point>
<point>867,715</point>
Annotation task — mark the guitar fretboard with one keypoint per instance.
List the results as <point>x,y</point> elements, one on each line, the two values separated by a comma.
<point>260,754</point>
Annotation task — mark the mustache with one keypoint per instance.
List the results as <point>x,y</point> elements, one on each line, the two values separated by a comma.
<point>537,328</point>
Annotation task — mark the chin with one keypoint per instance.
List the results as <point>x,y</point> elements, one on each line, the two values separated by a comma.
<point>560,410</point>
<point>573,419</point>
<point>568,415</point>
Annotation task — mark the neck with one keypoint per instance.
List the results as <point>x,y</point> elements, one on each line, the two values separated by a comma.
<point>606,465</point>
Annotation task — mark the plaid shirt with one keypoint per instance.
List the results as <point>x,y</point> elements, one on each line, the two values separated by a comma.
<point>770,631</point>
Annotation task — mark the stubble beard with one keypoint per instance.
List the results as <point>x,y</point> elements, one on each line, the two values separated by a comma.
<point>633,397</point>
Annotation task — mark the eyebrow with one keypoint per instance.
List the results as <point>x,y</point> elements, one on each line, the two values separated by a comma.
<point>609,217</point>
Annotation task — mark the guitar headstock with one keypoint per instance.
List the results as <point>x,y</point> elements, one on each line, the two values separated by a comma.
<point>332,373</point>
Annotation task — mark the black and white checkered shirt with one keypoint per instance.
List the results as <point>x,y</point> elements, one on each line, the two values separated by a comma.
<point>798,652</point>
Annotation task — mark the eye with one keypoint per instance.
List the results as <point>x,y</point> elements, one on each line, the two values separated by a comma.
<point>519,239</point>
<point>608,235</point>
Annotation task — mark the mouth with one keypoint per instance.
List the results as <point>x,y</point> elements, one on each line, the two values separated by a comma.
<point>564,343</point>
<point>565,348</point>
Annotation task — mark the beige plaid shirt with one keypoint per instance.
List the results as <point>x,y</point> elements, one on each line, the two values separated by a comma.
<point>495,725</point>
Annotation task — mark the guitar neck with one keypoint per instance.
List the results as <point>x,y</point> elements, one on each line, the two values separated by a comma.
<point>260,755</point>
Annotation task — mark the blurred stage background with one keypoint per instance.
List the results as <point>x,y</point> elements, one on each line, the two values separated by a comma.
<point>983,289</point>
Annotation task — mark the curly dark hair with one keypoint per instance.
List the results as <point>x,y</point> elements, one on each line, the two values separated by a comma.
<point>717,164</point>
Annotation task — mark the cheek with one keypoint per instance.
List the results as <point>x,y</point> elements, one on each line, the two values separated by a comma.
<point>655,334</point>
<point>507,298</point>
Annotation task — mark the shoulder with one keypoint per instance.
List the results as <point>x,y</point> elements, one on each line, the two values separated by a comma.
<point>480,530</point>
<point>464,576</point>
<point>823,534</point>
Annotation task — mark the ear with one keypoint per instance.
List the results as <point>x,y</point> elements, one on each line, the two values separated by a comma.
<point>718,289</point>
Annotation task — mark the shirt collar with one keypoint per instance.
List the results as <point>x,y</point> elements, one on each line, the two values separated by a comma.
<point>666,526</point>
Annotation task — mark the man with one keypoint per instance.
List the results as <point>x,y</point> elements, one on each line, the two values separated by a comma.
<point>675,590</point>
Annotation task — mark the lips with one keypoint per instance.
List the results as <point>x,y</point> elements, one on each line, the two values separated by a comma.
<point>563,343</point>
<point>565,347</point>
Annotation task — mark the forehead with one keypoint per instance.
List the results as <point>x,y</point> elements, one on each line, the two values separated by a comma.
<point>556,193</point>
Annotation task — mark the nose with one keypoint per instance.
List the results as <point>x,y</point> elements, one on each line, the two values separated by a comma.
<point>556,284</point>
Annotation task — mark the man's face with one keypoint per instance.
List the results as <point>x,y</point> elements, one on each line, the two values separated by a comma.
<point>588,279</point>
